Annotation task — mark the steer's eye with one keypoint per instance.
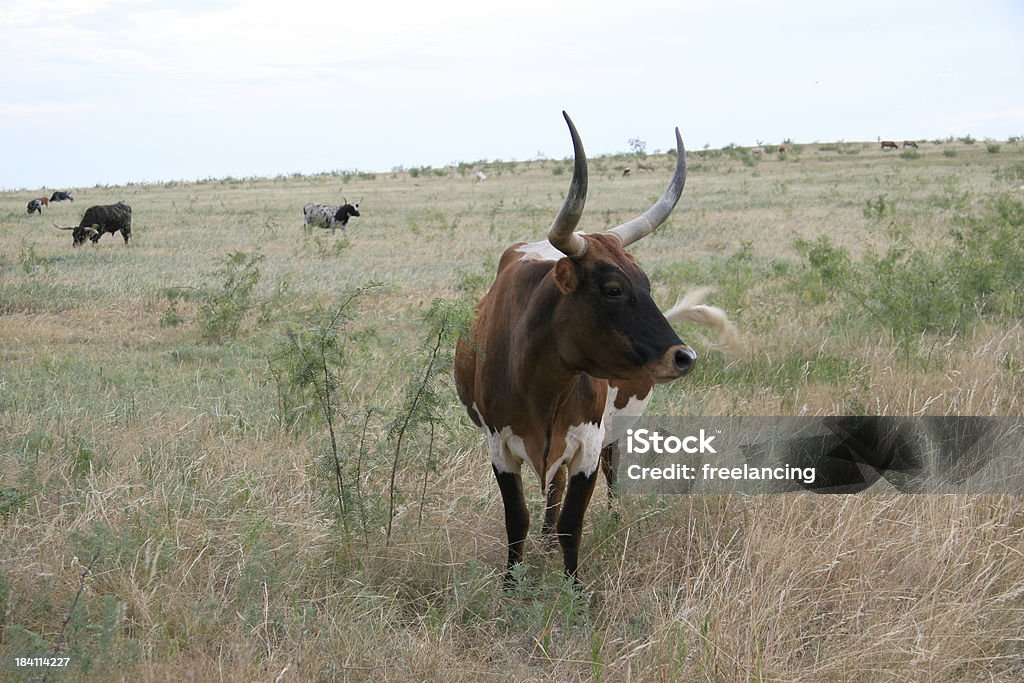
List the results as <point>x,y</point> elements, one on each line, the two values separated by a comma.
<point>612,291</point>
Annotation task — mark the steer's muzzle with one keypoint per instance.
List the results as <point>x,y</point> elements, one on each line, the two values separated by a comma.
<point>675,363</point>
<point>684,358</point>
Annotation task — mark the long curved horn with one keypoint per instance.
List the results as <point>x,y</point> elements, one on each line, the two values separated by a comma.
<point>59,227</point>
<point>649,220</point>
<point>561,234</point>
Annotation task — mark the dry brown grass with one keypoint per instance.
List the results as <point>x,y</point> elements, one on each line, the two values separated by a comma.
<point>219,556</point>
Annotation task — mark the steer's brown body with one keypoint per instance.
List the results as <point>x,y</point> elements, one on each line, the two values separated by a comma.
<point>567,338</point>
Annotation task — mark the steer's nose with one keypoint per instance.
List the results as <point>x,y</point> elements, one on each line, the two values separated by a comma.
<point>684,359</point>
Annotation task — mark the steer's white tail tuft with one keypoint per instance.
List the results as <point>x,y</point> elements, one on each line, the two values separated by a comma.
<point>690,308</point>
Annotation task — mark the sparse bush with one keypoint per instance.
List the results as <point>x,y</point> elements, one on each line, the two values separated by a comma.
<point>223,309</point>
<point>992,148</point>
<point>1011,174</point>
<point>30,261</point>
<point>427,392</point>
<point>172,316</point>
<point>307,368</point>
<point>878,209</point>
<point>33,263</point>
<point>831,264</point>
<point>987,257</point>
<point>10,500</point>
<point>912,290</point>
<point>327,247</point>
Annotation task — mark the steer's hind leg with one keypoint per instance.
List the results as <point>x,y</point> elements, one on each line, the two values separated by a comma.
<point>517,516</point>
<point>609,463</point>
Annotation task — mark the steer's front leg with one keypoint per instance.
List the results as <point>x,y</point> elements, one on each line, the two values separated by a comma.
<point>570,521</point>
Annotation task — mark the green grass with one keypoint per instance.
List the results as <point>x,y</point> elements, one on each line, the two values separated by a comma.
<point>158,412</point>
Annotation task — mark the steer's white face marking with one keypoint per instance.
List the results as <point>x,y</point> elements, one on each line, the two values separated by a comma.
<point>540,251</point>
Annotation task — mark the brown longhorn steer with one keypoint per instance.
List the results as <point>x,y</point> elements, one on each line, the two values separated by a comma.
<point>567,337</point>
<point>889,144</point>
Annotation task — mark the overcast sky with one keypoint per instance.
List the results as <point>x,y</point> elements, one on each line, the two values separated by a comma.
<point>115,91</point>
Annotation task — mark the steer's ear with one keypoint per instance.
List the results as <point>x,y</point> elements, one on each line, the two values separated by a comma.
<point>566,276</point>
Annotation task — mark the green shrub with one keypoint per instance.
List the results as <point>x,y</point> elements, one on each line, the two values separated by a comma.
<point>1011,174</point>
<point>941,288</point>
<point>225,307</point>
<point>829,263</point>
<point>878,209</point>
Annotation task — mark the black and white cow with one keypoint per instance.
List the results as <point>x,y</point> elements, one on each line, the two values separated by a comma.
<point>329,215</point>
<point>35,206</point>
<point>61,196</point>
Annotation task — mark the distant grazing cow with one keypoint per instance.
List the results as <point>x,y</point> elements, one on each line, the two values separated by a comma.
<point>625,171</point>
<point>889,144</point>
<point>481,176</point>
<point>103,219</point>
<point>909,143</point>
<point>35,206</point>
<point>782,149</point>
<point>644,166</point>
<point>328,215</point>
<point>61,196</point>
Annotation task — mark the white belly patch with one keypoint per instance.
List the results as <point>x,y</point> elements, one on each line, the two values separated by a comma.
<point>506,449</point>
<point>583,442</point>
<point>582,450</point>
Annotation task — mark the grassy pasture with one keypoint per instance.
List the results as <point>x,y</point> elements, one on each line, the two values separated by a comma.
<point>167,475</point>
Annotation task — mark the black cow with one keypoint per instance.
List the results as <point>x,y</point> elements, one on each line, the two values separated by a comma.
<point>61,196</point>
<point>102,219</point>
<point>35,206</point>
